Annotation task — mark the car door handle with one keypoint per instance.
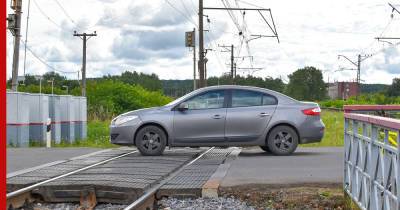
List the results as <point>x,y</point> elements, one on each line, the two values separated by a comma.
<point>217,116</point>
<point>263,114</point>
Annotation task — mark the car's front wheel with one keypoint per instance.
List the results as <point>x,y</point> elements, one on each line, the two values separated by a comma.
<point>282,140</point>
<point>151,140</point>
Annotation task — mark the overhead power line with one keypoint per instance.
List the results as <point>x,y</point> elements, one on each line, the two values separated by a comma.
<point>45,15</point>
<point>186,9</point>
<point>65,12</point>
<point>182,13</point>
<point>45,63</point>
<point>55,23</point>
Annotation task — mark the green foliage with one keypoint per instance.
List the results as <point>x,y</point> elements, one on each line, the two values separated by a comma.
<point>98,136</point>
<point>108,98</point>
<point>59,81</point>
<point>148,81</point>
<point>267,82</point>
<point>176,88</point>
<point>373,88</point>
<point>375,99</point>
<point>394,89</point>
<point>306,84</point>
<point>333,136</point>
<point>46,89</point>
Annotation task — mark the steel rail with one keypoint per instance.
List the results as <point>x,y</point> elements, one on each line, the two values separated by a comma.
<point>154,189</point>
<point>31,187</point>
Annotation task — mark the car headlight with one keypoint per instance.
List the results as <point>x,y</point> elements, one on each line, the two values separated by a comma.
<point>123,119</point>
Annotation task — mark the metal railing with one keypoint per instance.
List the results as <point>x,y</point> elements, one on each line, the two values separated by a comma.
<point>372,151</point>
<point>392,111</point>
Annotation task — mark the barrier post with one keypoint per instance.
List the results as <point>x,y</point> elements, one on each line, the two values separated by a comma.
<point>48,142</point>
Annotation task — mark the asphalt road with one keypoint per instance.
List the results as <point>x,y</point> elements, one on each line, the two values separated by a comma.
<point>253,166</point>
<point>307,165</point>
<point>23,158</point>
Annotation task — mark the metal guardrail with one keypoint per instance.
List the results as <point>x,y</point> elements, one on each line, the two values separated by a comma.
<point>355,108</point>
<point>372,171</point>
<point>392,111</point>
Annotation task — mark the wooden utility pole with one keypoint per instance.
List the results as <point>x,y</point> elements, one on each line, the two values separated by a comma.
<point>232,63</point>
<point>202,82</point>
<point>194,60</point>
<point>84,37</point>
<point>358,73</point>
<point>14,25</point>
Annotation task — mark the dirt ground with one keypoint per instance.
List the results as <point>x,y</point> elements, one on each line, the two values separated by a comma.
<point>327,196</point>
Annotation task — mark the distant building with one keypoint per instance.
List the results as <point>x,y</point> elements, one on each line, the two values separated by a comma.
<point>342,90</point>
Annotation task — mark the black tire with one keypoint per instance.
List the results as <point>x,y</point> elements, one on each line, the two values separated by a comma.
<point>151,140</point>
<point>265,148</point>
<point>282,140</point>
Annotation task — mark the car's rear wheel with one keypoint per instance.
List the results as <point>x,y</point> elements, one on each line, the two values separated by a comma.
<point>151,140</point>
<point>282,140</point>
<point>265,148</point>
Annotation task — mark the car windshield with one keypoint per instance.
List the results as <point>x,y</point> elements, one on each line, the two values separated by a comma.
<point>178,100</point>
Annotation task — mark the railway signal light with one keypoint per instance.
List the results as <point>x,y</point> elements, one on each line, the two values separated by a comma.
<point>189,39</point>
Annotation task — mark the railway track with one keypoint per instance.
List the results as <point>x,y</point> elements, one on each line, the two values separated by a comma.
<point>151,192</point>
<point>15,198</point>
<point>145,197</point>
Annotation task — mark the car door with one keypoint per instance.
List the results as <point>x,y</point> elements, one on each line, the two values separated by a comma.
<point>248,115</point>
<point>203,121</point>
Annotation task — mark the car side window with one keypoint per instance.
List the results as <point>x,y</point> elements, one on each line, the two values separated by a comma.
<point>209,100</point>
<point>243,98</point>
<point>269,100</point>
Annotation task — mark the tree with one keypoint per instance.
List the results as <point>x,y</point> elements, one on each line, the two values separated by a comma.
<point>148,81</point>
<point>394,89</point>
<point>306,84</point>
<point>267,82</point>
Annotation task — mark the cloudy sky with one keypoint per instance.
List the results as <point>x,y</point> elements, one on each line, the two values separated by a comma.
<point>149,37</point>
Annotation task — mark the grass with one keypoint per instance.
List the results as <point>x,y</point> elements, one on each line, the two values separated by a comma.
<point>98,136</point>
<point>334,130</point>
<point>98,133</point>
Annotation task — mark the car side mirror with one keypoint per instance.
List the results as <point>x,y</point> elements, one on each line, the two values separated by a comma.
<point>183,107</point>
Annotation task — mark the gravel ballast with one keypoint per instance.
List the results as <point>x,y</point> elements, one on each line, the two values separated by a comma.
<point>74,206</point>
<point>221,203</point>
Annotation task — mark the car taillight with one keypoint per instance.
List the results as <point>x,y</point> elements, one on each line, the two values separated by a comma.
<point>313,111</point>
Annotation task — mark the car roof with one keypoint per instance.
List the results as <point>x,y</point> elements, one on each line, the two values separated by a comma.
<point>281,97</point>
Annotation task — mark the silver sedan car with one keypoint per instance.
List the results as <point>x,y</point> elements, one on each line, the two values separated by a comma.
<point>222,116</point>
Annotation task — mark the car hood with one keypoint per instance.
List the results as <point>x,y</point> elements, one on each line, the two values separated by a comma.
<point>141,112</point>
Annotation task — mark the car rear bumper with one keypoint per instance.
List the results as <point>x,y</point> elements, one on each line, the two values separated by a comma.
<point>312,132</point>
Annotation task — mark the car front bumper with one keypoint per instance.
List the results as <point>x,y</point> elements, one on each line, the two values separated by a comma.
<point>124,134</point>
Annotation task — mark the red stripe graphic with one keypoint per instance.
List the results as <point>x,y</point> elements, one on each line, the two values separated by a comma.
<point>40,123</point>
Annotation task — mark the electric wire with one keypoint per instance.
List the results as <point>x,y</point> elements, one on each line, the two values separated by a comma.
<point>182,13</point>
<point>374,41</point>
<point>44,62</point>
<point>187,10</point>
<point>47,17</point>
<point>65,12</point>
<point>251,4</point>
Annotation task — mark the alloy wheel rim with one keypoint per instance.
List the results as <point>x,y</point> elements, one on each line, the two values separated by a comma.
<point>151,141</point>
<point>283,141</point>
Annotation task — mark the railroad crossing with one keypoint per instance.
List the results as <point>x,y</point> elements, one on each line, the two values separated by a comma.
<point>121,176</point>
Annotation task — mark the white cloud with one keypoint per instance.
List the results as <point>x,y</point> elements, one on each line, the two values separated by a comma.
<point>149,37</point>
